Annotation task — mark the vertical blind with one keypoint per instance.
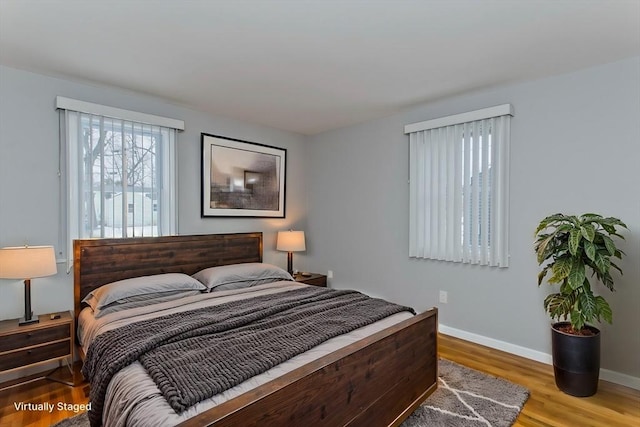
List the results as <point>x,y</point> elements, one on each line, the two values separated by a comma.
<point>120,173</point>
<point>459,187</point>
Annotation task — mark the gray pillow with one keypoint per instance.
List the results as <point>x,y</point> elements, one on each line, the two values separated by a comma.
<point>141,301</point>
<point>238,276</point>
<point>122,289</point>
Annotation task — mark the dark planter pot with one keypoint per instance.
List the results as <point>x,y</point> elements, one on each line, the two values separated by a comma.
<point>576,361</point>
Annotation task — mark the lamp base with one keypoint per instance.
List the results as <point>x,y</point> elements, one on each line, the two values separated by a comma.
<point>24,322</point>
<point>290,263</point>
<point>27,306</point>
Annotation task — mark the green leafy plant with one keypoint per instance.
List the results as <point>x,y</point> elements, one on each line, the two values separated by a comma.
<point>570,244</point>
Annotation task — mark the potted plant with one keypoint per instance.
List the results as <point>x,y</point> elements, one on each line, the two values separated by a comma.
<point>569,246</point>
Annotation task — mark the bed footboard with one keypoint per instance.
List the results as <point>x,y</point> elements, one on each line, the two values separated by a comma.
<point>377,381</point>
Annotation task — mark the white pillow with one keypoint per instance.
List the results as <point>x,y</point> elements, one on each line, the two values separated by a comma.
<point>123,289</point>
<point>236,276</point>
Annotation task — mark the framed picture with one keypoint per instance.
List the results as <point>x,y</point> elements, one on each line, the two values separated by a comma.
<point>241,178</point>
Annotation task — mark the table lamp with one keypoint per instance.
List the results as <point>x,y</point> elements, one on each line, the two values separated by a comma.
<point>290,241</point>
<point>27,262</point>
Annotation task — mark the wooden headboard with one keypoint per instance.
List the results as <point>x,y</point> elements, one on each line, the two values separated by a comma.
<point>97,262</point>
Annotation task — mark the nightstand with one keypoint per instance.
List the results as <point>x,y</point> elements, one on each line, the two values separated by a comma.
<point>46,341</point>
<point>314,279</point>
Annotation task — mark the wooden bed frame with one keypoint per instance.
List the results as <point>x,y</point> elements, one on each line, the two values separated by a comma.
<point>377,381</point>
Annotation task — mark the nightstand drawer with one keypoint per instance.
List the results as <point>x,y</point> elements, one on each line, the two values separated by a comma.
<point>312,279</point>
<point>316,281</point>
<point>34,337</point>
<point>20,358</point>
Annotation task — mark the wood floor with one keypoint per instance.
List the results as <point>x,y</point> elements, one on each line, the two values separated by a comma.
<point>612,406</point>
<point>40,391</point>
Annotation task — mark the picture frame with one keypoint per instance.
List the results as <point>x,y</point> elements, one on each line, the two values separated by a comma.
<point>242,178</point>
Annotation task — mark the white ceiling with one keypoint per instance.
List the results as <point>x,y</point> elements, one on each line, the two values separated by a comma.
<point>309,66</point>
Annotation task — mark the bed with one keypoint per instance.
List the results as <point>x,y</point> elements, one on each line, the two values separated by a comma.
<point>377,380</point>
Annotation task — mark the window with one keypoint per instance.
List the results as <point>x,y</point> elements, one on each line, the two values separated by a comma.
<point>120,171</point>
<point>459,187</point>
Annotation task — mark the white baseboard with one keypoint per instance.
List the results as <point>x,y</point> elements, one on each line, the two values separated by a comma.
<point>619,378</point>
<point>538,356</point>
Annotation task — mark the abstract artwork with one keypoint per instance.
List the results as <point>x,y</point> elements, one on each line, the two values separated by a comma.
<point>241,178</point>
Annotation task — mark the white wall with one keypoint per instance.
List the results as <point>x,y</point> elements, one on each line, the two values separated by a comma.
<point>29,194</point>
<point>575,149</point>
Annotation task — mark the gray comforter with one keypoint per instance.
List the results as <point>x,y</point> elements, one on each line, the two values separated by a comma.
<point>194,355</point>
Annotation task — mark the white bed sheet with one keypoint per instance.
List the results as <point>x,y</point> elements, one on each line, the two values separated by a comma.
<point>133,399</point>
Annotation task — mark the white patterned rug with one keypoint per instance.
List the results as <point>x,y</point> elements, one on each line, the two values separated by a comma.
<point>464,398</point>
<point>468,398</point>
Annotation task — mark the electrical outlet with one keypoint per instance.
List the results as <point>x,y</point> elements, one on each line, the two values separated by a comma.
<point>443,297</point>
<point>330,274</point>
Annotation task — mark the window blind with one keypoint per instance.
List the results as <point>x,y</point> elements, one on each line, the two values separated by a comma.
<point>120,173</point>
<point>459,188</point>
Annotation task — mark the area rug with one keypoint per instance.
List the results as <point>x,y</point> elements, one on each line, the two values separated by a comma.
<point>468,398</point>
<point>464,398</point>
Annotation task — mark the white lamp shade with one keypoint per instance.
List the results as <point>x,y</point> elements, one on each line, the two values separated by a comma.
<point>27,262</point>
<point>291,241</point>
